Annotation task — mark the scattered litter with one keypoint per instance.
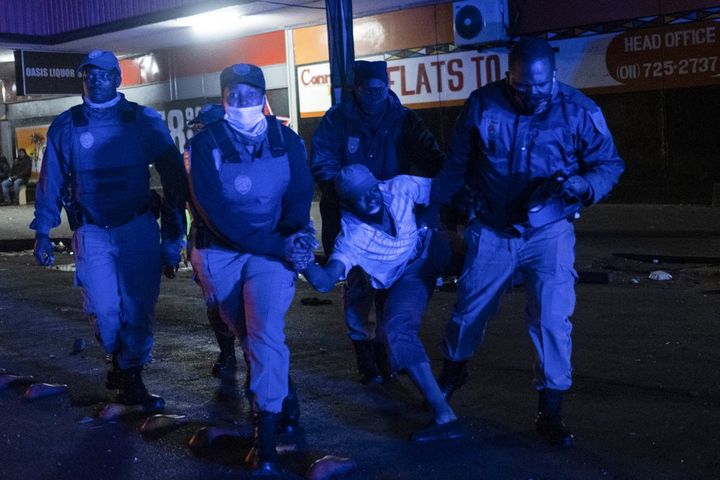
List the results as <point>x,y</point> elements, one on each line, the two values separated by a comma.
<point>79,345</point>
<point>69,267</point>
<point>329,467</point>
<point>314,301</point>
<point>86,420</point>
<point>323,350</point>
<point>158,424</point>
<point>655,260</point>
<point>635,280</point>
<point>659,275</point>
<point>42,390</point>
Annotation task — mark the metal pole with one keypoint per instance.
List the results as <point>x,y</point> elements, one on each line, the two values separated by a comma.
<point>340,46</point>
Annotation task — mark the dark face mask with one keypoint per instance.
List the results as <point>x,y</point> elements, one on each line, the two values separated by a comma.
<point>529,103</point>
<point>372,100</point>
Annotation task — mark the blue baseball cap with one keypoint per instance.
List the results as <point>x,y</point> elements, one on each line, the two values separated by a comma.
<point>353,181</point>
<point>101,59</point>
<point>242,73</point>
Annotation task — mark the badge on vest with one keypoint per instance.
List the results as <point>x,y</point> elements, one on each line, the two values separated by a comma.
<point>353,144</point>
<point>243,184</point>
<point>87,139</point>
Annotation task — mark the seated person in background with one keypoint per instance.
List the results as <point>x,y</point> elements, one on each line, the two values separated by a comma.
<point>19,175</point>
<point>379,233</point>
<point>4,168</point>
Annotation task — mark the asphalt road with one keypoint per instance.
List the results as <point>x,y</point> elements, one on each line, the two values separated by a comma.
<point>645,404</point>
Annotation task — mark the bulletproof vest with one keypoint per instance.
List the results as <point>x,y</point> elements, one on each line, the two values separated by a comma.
<point>110,164</point>
<point>253,185</point>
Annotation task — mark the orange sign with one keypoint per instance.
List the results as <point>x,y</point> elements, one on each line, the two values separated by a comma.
<point>685,55</point>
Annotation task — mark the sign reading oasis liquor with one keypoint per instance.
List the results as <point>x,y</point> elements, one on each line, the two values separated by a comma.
<point>47,73</point>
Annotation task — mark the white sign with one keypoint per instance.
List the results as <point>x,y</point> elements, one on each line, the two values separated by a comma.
<point>448,79</point>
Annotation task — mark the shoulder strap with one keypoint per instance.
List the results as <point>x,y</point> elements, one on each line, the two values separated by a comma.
<point>275,137</point>
<point>223,141</point>
<point>129,115</point>
<point>78,116</point>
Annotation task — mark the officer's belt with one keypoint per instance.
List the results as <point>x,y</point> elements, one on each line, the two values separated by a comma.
<point>85,218</point>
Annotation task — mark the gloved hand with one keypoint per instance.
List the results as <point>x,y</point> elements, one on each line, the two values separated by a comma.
<point>43,250</point>
<point>299,250</point>
<point>576,186</point>
<point>171,254</point>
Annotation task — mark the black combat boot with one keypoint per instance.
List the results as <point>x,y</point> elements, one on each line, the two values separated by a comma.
<point>382,361</point>
<point>113,379</point>
<point>263,455</point>
<point>453,376</point>
<point>290,418</point>
<point>367,366</point>
<point>549,422</point>
<point>225,366</point>
<point>133,391</point>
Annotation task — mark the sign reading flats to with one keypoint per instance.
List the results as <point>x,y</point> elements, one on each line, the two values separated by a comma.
<point>47,73</point>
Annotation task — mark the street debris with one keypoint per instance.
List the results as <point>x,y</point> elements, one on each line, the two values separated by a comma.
<point>659,275</point>
<point>329,466</point>
<point>42,390</point>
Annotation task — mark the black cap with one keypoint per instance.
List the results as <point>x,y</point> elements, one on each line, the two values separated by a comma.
<point>365,70</point>
<point>242,73</point>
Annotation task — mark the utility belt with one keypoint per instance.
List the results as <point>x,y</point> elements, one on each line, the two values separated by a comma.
<point>82,218</point>
<point>203,237</point>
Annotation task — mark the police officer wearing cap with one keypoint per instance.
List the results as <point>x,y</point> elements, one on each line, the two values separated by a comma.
<point>96,166</point>
<point>370,127</point>
<point>517,140</point>
<point>251,191</point>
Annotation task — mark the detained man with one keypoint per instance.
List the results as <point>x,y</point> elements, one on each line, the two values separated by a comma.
<point>379,234</point>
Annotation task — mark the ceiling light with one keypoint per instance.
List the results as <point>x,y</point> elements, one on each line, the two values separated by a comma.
<point>212,23</point>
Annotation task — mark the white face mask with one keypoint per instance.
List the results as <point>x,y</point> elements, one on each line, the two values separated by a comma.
<point>245,118</point>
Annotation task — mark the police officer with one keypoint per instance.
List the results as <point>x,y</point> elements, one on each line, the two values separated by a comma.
<point>96,164</point>
<point>371,127</point>
<point>251,191</point>
<point>512,139</point>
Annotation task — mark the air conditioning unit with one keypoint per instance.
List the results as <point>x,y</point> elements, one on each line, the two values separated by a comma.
<point>478,22</point>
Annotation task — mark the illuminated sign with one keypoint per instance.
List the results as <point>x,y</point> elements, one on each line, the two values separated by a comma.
<point>46,73</point>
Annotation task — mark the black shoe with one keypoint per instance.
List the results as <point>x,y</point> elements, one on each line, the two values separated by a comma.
<point>549,422</point>
<point>453,376</point>
<point>290,416</point>
<point>367,365</point>
<point>554,431</point>
<point>225,367</point>
<point>434,432</point>
<point>263,456</point>
<point>382,362</point>
<point>114,377</point>
<point>133,392</point>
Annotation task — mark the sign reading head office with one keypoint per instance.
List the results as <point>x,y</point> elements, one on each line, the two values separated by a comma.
<point>47,73</point>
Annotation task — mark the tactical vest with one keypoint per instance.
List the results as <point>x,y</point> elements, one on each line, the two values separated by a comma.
<point>109,165</point>
<point>253,187</point>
